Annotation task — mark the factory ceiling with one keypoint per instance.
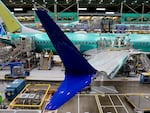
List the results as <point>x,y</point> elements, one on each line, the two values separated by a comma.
<point>91,5</point>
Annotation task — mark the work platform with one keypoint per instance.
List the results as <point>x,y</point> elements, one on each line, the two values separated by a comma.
<point>100,101</point>
<point>57,74</point>
<point>20,111</point>
<point>139,102</point>
<point>97,103</point>
<point>91,103</point>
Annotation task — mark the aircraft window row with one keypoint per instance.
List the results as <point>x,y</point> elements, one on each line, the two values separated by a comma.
<point>43,42</point>
<point>143,44</point>
<point>47,42</point>
<point>85,42</point>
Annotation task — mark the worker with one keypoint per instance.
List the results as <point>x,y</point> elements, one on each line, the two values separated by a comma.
<point>116,41</point>
<point>126,69</point>
<point>112,42</point>
<point>123,41</point>
<point>99,43</point>
<point>50,60</point>
<point>63,68</point>
<point>119,42</point>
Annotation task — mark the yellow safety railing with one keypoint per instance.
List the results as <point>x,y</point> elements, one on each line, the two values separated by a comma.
<point>34,88</point>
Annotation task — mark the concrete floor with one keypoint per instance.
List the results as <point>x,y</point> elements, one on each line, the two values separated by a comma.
<point>90,103</point>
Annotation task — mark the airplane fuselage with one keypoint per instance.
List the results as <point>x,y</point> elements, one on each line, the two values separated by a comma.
<point>83,41</point>
<point>42,42</point>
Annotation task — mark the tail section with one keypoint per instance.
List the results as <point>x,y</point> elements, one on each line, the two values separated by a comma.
<point>11,23</point>
<point>78,72</point>
<point>9,20</point>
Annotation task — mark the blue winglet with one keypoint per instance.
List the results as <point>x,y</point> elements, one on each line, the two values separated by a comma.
<point>2,31</point>
<point>78,72</point>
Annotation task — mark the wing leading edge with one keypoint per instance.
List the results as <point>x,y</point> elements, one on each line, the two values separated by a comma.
<point>78,72</point>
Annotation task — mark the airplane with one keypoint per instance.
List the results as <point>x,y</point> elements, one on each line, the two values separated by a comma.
<point>16,30</point>
<point>83,41</point>
<point>79,73</point>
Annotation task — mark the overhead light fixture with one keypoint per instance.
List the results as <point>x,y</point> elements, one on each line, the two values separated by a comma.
<point>18,9</point>
<point>67,1</point>
<point>33,9</point>
<point>12,13</point>
<point>56,1</point>
<point>100,9</point>
<point>109,12</point>
<point>82,8</point>
<point>100,1</point>
<point>89,2</point>
<point>124,1</point>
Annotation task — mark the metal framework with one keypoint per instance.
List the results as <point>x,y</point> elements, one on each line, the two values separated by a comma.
<point>22,100</point>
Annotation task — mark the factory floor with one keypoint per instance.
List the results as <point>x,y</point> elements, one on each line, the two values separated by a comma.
<point>108,96</point>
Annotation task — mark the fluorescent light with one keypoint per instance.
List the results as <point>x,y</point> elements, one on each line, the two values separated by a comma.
<point>82,8</point>
<point>101,9</point>
<point>33,9</point>
<point>12,13</point>
<point>109,12</point>
<point>18,9</point>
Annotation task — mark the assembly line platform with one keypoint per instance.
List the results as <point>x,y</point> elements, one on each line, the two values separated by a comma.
<point>57,74</point>
<point>92,103</point>
<point>20,111</point>
<point>139,102</point>
<point>97,103</point>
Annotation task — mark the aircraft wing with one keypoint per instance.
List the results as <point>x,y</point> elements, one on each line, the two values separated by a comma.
<point>109,61</point>
<point>134,52</point>
<point>78,72</point>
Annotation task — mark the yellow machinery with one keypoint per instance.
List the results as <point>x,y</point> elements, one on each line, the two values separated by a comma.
<point>145,77</point>
<point>33,96</point>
